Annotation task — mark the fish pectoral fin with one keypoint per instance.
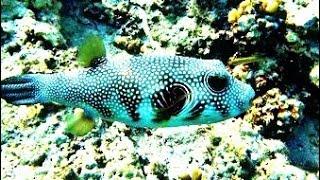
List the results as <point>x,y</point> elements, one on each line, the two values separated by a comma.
<point>78,123</point>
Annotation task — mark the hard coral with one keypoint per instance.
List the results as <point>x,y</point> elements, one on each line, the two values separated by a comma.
<point>132,45</point>
<point>114,12</point>
<point>275,114</point>
<point>132,35</point>
<point>270,6</point>
<point>170,7</point>
<point>314,75</point>
<point>241,72</point>
<point>257,24</point>
<point>206,45</point>
<point>204,11</point>
<point>244,8</point>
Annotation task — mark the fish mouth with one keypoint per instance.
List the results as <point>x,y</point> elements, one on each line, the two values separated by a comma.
<point>246,99</point>
<point>252,94</point>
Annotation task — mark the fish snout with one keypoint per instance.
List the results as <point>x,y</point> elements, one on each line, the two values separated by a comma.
<point>248,96</point>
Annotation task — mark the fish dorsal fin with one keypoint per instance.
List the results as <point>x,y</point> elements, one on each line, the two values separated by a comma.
<point>91,50</point>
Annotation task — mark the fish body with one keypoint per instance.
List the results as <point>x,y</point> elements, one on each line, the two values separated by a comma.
<point>142,91</point>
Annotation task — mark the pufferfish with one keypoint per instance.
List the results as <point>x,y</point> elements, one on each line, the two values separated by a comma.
<point>141,91</point>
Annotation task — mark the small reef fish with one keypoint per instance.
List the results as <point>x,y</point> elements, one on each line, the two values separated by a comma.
<point>141,91</point>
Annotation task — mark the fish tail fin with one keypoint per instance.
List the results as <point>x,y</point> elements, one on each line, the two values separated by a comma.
<point>23,90</point>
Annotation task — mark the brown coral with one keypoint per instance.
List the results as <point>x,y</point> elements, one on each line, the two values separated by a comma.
<point>275,114</point>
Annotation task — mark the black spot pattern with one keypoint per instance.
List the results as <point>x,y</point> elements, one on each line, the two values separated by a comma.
<point>106,112</point>
<point>130,98</point>
<point>221,106</point>
<point>97,62</point>
<point>96,101</point>
<point>196,111</point>
<point>223,110</point>
<point>170,100</point>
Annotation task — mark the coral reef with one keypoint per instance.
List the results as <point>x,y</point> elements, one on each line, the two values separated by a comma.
<point>12,9</point>
<point>228,150</point>
<point>170,7</point>
<point>129,44</point>
<point>275,113</point>
<point>257,24</point>
<point>241,72</point>
<point>314,75</point>
<point>117,11</point>
<point>28,29</point>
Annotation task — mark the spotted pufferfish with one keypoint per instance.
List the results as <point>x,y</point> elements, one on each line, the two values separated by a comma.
<point>141,91</point>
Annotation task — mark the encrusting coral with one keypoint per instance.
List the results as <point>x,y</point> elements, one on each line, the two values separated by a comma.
<point>275,114</point>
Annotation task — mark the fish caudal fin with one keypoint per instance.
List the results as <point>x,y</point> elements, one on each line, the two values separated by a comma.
<point>21,90</point>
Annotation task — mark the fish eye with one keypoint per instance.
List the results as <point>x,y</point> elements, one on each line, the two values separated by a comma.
<point>217,83</point>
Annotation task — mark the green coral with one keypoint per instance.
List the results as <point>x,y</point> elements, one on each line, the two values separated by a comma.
<point>92,48</point>
<point>202,11</point>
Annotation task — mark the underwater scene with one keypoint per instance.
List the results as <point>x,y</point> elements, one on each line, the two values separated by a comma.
<point>160,89</point>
